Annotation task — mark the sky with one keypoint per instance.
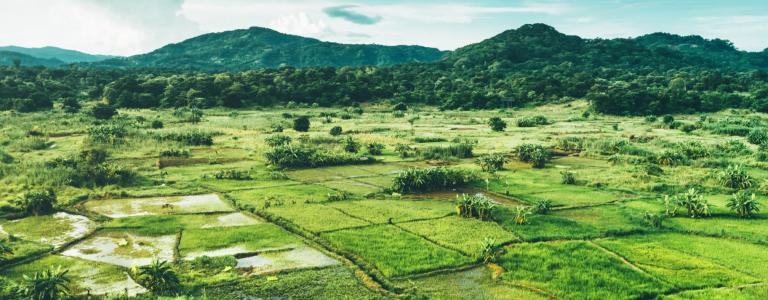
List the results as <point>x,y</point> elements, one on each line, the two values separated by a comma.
<point>128,27</point>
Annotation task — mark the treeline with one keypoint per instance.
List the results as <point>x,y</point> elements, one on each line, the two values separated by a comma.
<point>531,65</point>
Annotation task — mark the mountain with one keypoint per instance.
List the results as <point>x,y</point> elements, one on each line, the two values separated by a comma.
<point>258,47</point>
<point>8,58</point>
<point>65,55</point>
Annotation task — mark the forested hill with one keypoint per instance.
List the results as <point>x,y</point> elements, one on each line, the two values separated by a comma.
<point>257,48</point>
<point>10,58</point>
<point>653,74</point>
<point>66,56</point>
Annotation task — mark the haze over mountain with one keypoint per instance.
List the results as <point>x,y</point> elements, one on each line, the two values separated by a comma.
<point>66,56</point>
<point>9,58</point>
<point>258,47</point>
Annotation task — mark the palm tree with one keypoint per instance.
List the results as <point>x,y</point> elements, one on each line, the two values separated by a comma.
<point>159,277</point>
<point>743,204</point>
<point>50,284</point>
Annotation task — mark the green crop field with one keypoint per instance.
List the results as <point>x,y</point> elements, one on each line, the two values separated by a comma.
<point>592,222</point>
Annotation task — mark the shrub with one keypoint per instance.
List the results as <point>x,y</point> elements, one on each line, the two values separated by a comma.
<point>304,156</point>
<point>278,140</point>
<point>400,107</point>
<point>159,278</point>
<point>491,162</point>
<point>654,220</point>
<point>461,150</point>
<point>570,144</point>
<point>103,111</point>
<point>651,119</point>
<point>88,168</point>
<point>70,105</point>
<point>476,206</point>
<point>568,177</point>
<point>111,134</point>
<point>192,138</point>
<point>735,177</point>
<point>497,124</point>
<point>670,158</point>
<point>375,148</point>
<point>532,121</point>
<point>36,202</point>
<point>156,124</point>
<point>276,127</point>
<point>415,180</point>
<point>301,124</point>
<point>174,153</point>
<point>668,119</point>
<point>745,205</point>
<point>232,175</point>
<point>489,251</point>
<point>688,128</point>
<point>50,284</point>
<point>758,136</point>
<point>398,114</point>
<point>404,151</point>
<point>5,157</point>
<point>692,201</point>
<point>653,169</point>
<point>534,154</point>
<point>521,215</point>
<point>335,131</point>
<point>429,139</point>
<point>350,145</point>
<point>543,206</point>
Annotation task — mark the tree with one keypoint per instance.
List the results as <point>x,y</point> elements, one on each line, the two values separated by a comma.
<point>37,202</point>
<point>400,107</point>
<point>70,105</point>
<point>301,124</point>
<point>350,145</point>
<point>744,204</point>
<point>103,111</point>
<point>159,278</point>
<point>335,131</point>
<point>50,284</point>
<point>497,124</point>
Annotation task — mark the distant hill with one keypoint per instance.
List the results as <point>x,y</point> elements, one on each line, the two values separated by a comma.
<point>258,47</point>
<point>7,58</point>
<point>65,55</point>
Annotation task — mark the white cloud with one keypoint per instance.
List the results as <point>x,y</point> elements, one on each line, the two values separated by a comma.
<point>300,24</point>
<point>741,30</point>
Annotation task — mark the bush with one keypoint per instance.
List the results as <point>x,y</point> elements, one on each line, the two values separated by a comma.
<point>477,206</point>
<point>758,136</point>
<point>668,119</point>
<point>429,139</point>
<point>232,175</point>
<point>36,202</point>
<point>462,150</point>
<point>692,201</point>
<point>278,140</point>
<point>111,134</point>
<point>192,138</point>
<point>568,177</point>
<point>651,119</point>
<point>734,177</point>
<point>174,153</point>
<point>532,121</point>
<point>5,158</point>
<point>745,205</point>
<point>301,124</point>
<point>415,180</point>
<point>497,124</point>
<point>521,215</point>
<point>304,156</point>
<point>404,151</point>
<point>375,148</point>
<point>654,220</point>
<point>543,206</point>
<point>335,131</point>
<point>70,105</point>
<point>570,144</point>
<point>88,169</point>
<point>534,154</point>
<point>350,145</point>
<point>688,128</point>
<point>103,111</point>
<point>491,162</point>
<point>400,107</point>
<point>156,124</point>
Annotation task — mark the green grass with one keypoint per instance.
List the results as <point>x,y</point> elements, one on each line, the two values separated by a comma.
<point>289,194</point>
<point>84,274</point>
<point>166,224</point>
<point>465,235</point>
<point>748,293</point>
<point>470,284</point>
<point>395,252</point>
<point>325,283</point>
<point>316,217</point>
<point>575,270</point>
<point>253,238</point>
<point>381,211</point>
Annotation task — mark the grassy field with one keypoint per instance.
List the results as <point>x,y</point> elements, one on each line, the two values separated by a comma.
<point>232,223</point>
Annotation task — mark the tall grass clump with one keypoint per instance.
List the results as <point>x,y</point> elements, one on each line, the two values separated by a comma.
<point>491,162</point>
<point>415,180</point>
<point>735,177</point>
<point>534,154</point>
<point>193,137</point>
<point>459,150</point>
<point>532,121</point>
<point>476,206</point>
<point>307,156</point>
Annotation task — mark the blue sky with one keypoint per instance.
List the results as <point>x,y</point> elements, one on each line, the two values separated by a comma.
<point>126,27</point>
